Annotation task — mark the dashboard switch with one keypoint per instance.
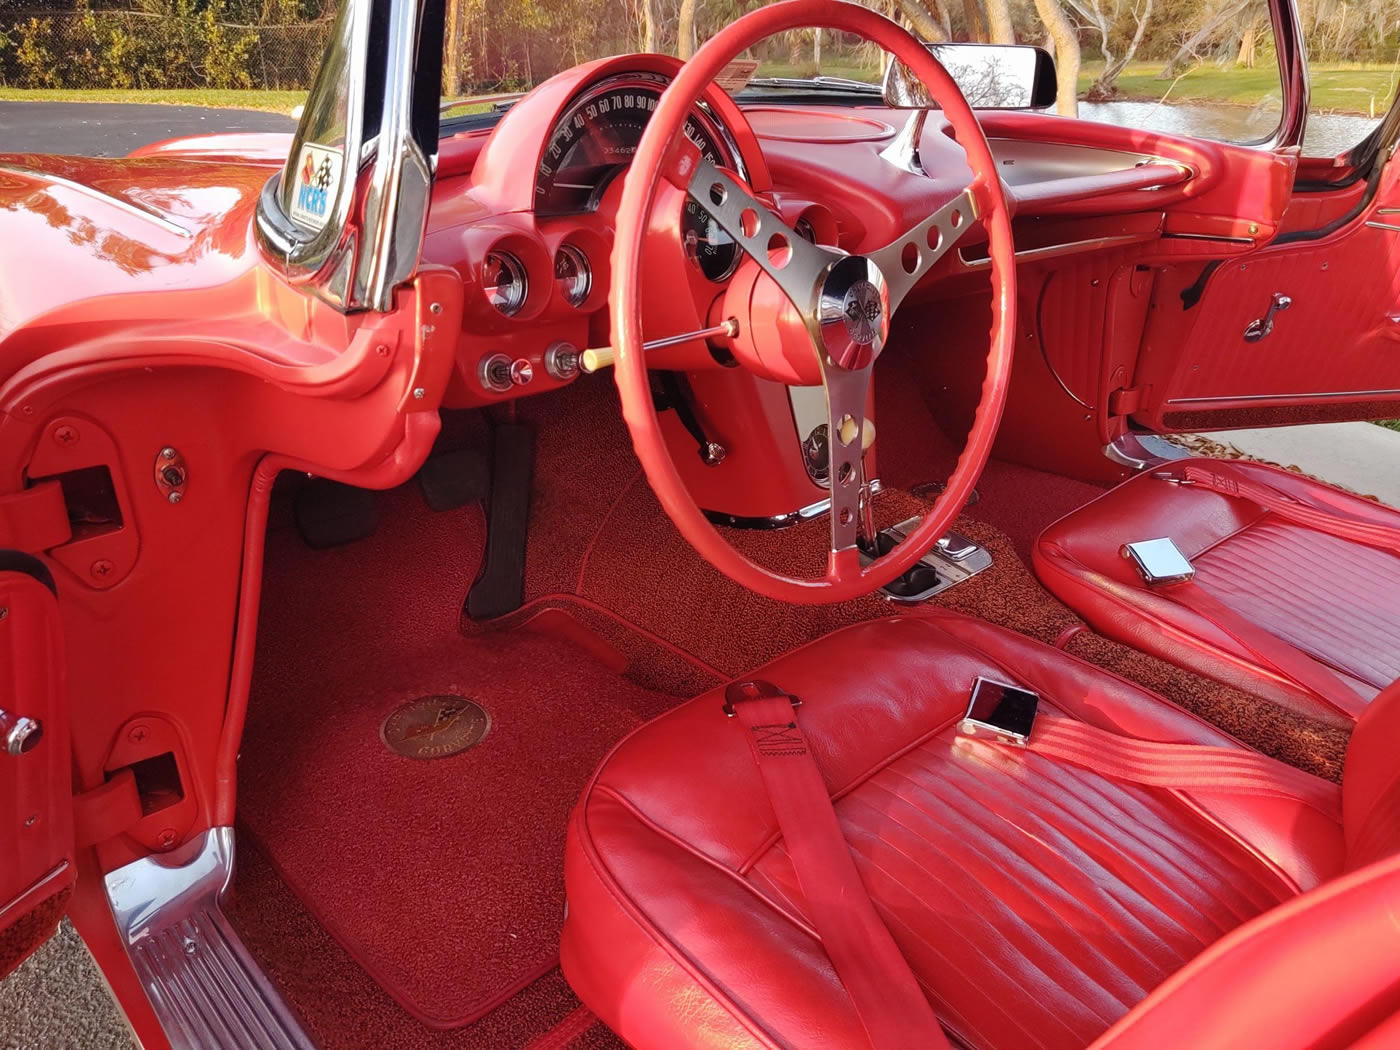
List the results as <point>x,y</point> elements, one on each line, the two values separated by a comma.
<point>561,361</point>
<point>521,372</point>
<point>495,373</point>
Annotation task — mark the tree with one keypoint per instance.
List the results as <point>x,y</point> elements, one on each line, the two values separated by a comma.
<point>922,21</point>
<point>685,29</point>
<point>1066,40</point>
<point>649,26</point>
<point>999,28</point>
<point>1104,17</point>
<point>1220,15</point>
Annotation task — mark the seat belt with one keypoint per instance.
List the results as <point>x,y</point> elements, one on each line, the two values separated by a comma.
<point>1317,512</point>
<point>887,996</point>
<point>1181,767</point>
<point>1010,714</point>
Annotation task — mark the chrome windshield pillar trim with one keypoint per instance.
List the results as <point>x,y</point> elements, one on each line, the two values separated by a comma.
<point>371,243</point>
<point>204,986</point>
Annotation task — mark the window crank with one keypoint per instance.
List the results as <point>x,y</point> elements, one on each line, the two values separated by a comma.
<point>1257,330</point>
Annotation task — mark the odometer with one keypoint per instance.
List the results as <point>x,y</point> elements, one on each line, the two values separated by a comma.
<point>594,141</point>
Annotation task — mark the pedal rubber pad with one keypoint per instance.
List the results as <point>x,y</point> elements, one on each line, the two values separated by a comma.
<point>501,586</point>
<point>455,479</point>
<point>329,514</point>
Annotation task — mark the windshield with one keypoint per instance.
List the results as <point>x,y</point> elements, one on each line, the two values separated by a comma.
<point>492,52</point>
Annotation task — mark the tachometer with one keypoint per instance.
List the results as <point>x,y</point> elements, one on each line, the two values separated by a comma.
<point>594,140</point>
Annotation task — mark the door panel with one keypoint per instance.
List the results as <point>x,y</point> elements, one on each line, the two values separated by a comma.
<point>37,868</point>
<point>1334,351</point>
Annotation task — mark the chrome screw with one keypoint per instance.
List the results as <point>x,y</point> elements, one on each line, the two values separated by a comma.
<point>174,497</point>
<point>419,393</point>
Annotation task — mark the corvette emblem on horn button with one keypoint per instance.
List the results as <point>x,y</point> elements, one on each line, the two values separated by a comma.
<point>862,312</point>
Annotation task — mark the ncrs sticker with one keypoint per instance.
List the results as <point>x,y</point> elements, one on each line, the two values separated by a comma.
<point>314,192</point>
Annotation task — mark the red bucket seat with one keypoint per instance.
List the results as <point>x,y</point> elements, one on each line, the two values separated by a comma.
<point>1290,569</point>
<point>1038,903</point>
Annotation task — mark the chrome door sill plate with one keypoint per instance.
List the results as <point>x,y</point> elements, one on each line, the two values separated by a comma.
<point>953,559</point>
<point>205,987</point>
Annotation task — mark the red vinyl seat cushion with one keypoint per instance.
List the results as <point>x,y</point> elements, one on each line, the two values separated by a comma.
<point>1335,600</point>
<point>1037,902</point>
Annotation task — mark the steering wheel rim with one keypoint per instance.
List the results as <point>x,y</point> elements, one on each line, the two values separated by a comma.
<point>661,154</point>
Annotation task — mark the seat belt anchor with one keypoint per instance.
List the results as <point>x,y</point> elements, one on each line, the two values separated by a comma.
<point>753,689</point>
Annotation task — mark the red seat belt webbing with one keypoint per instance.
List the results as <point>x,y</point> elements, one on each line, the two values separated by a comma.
<point>1318,512</point>
<point>1273,652</point>
<point>1181,767</point>
<point>886,994</point>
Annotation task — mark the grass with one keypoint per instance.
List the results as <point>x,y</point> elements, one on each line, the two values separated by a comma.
<point>1336,88</point>
<point>828,69</point>
<point>270,101</point>
<point>1389,424</point>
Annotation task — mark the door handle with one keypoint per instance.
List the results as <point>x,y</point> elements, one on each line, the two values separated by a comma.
<point>1257,330</point>
<point>20,734</point>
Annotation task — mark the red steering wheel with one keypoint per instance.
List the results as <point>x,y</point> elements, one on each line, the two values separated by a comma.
<point>838,306</point>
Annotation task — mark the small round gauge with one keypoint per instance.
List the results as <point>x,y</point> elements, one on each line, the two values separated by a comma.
<point>707,244</point>
<point>572,274</point>
<point>503,277</point>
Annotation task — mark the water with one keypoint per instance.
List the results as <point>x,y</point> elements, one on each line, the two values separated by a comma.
<point>1327,135</point>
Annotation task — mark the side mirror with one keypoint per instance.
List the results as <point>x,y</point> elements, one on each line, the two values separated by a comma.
<point>990,76</point>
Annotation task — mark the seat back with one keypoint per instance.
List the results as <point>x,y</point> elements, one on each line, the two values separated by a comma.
<point>1371,783</point>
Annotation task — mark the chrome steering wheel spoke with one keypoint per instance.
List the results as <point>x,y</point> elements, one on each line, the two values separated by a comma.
<point>906,259</point>
<point>847,390</point>
<point>795,264</point>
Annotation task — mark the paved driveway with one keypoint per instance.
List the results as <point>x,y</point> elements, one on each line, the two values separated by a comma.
<point>111,129</point>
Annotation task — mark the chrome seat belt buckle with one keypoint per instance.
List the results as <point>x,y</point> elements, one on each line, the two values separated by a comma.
<point>1000,712</point>
<point>1159,561</point>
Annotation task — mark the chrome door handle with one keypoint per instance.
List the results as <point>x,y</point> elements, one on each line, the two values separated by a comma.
<point>20,734</point>
<point>1257,330</point>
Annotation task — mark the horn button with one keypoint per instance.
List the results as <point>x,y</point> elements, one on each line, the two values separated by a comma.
<point>853,312</point>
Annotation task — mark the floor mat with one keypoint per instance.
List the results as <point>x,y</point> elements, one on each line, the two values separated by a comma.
<point>443,877</point>
<point>343,1008</point>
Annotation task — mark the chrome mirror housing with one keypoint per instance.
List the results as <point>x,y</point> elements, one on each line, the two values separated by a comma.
<point>346,216</point>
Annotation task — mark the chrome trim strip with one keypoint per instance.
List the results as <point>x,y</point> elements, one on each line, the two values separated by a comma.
<point>1207,237</point>
<point>25,895</point>
<point>1284,398</point>
<point>1384,225</point>
<point>1052,250</point>
<point>780,521</point>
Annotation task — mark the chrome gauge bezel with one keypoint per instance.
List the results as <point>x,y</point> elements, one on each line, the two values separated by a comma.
<point>576,290</point>
<point>513,302</point>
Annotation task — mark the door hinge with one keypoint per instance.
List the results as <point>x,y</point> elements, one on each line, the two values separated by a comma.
<point>1125,401</point>
<point>107,810</point>
<point>35,519</point>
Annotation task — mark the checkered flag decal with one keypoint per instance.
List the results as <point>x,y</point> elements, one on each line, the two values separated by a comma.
<point>323,175</point>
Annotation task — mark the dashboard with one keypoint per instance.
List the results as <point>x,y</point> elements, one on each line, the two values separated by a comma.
<point>525,210</point>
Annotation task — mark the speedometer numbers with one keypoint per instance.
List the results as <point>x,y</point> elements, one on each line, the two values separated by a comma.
<point>593,143</point>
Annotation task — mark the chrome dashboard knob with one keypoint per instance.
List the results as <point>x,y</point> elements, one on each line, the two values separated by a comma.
<point>521,372</point>
<point>20,734</point>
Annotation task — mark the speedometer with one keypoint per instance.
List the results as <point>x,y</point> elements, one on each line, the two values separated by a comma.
<point>594,140</point>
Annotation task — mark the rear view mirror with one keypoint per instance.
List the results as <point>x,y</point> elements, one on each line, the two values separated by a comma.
<point>990,76</point>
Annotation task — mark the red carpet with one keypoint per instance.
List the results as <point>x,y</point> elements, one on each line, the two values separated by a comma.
<point>442,878</point>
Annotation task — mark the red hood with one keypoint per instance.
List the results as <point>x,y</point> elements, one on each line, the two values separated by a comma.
<point>76,229</point>
<point>257,147</point>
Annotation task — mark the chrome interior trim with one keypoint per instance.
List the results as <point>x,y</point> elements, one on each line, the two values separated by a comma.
<point>1207,237</point>
<point>1141,451</point>
<point>33,889</point>
<point>1159,561</point>
<point>1052,250</point>
<point>953,559</point>
<point>1383,225</point>
<point>903,151</point>
<point>1287,399</point>
<point>780,521</point>
<point>205,988</point>
<point>1023,162</point>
